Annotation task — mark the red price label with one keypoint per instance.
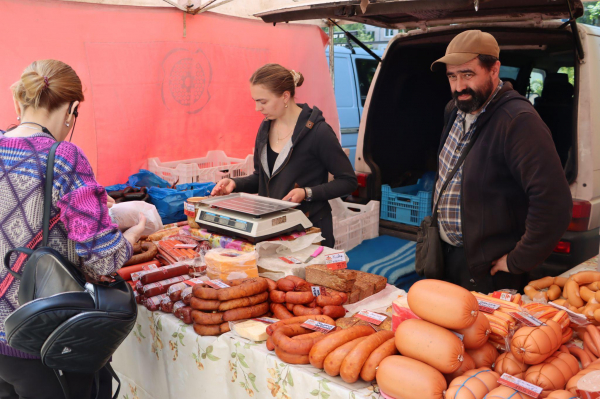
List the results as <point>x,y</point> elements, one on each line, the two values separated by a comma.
<point>336,261</point>
<point>370,317</point>
<point>266,320</point>
<point>587,395</point>
<point>317,326</point>
<point>520,385</point>
<point>216,284</point>
<point>487,307</point>
<point>505,296</point>
<point>526,319</point>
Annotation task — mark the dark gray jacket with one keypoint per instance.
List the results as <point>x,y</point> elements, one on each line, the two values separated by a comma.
<point>305,161</point>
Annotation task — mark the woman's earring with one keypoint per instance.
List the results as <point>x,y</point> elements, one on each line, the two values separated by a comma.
<point>18,118</point>
<point>67,123</point>
<point>286,105</point>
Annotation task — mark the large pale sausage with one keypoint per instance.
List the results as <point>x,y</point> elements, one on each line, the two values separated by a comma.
<point>485,356</point>
<point>323,348</point>
<point>507,363</point>
<point>503,392</point>
<point>554,373</point>
<point>430,344</point>
<point>442,303</point>
<point>476,335</point>
<point>467,365</point>
<point>533,345</point>
<point>406,378</point>
<point>474,384</point>
<point>355,360</point>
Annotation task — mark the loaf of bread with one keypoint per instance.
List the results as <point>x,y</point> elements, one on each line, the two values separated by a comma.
<point>339,280</point>
<point>378,282</point>
<point>347,322</point>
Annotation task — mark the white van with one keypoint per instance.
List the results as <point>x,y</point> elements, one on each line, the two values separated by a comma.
<point>402,119</point>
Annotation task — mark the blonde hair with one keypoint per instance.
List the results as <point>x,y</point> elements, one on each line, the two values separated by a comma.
<point>47,84</point>
<point>277,79</point>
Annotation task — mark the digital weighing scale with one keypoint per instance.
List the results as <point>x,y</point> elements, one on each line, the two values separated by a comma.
<point>251,217</point>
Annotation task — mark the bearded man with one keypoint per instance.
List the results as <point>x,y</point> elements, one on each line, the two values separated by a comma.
<point>509,203</point>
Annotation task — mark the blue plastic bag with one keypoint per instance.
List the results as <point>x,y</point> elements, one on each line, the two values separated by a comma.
<point>146,178</point>
<point>196,186</point>
<point>116,187</point>
<point>169,202</point>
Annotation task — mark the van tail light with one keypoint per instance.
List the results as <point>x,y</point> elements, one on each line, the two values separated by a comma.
<point>362,182</point>
<point>581,215</point>
<point>563,247</point>
<point>362,179</point>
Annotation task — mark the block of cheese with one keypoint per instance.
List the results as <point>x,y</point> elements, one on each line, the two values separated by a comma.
<point>229,264</point>
<point>339,280</point>
<point>252,330</point>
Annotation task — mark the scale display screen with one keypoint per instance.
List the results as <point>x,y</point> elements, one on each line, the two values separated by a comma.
<point>226,221</point>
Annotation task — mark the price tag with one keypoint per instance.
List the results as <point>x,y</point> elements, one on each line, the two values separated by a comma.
<point>216,284</point>
<point>505,296</point>
<point>190,246</point>
<point>370,317</point>
<point>571,314</point>
<point>290,260</point>
<point>189,209</point>
<point>317,326</point>
<point>266,320</point>
<point>193,282</point>
<point>487,307</point>
<point>526,319</point>
<point>336,261</point>
<point>318,291</point>
<point>520,385</point>
<point>587,395</point>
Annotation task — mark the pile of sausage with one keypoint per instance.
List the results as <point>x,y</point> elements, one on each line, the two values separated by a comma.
<point>130,194</point>
<point>213,309</point>
<point>579,293</point>
<point>446,353</point>
<point>292,296</point>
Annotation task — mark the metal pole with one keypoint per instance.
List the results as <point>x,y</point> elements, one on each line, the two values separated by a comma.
<point>331,53</point>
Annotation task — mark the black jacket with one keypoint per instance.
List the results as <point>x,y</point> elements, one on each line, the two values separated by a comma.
<point>312,153</point>
<point>515,198</point>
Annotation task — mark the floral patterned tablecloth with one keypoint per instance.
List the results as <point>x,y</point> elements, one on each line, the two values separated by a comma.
<point>165,359</point>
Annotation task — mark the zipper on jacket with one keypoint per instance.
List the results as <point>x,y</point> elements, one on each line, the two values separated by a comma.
<point>279,171</point>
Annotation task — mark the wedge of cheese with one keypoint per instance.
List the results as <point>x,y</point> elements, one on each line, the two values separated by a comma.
<point>230,264</point>
<point>252,330</point>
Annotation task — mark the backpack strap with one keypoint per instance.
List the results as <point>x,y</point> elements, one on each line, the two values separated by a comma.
<point>116,377</point>
<point>63,383</point>
<point>48,193</point>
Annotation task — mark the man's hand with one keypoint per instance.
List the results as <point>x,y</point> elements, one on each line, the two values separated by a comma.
<point>499,265</point>
<point>110,201</point>
<point>297,195</point>
<point>223,187</point>
<point>134,233</point>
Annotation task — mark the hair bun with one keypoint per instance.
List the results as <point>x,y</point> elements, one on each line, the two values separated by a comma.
<point>33,85</point>
<point>298,78</point>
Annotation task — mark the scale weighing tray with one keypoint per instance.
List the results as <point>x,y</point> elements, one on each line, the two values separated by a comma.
<point>251,217</point>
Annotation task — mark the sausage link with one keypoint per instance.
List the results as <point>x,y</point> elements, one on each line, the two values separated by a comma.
<point>277,296</point>
<point>150,251</point>
<point>581,355</point>
<point>247,312</point>
<point>331,299</point>
<point>204,304</point>
<point>299,320</point>
<point>289,306</point>
<point>355,360</point>
<point>299,298</point>
<point>270,345</point>
<point>250,288</point>
<point>291,358</point>
<point>595,337</point>
<point>204,292</point>
<point>301,310</point>
<point>369,369</point>
<point>335,312</point>
<point>334,360</point>
<point>280,312</point>
<point>321,349</point>
<point>185,314</point>
<point>244,302</point>
<point>282,338</point>
<point>211,330</point>
<point>272,284</point>
<point>200,317</point>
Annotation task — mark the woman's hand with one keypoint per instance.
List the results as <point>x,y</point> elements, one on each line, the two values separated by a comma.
<point>223,187</point>
<point>297,195</point>
<point>110,201</point>
<point>134,233</point>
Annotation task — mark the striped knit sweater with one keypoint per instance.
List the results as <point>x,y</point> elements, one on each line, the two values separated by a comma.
<point>85,233</point>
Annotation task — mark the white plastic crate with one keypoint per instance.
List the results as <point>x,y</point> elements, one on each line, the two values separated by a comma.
<point>215,166</point>
<point>352,230</point>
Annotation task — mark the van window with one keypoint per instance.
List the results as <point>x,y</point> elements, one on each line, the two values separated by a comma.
<point>536,84</point>
<point>365,70</point>
<point>509,72</point>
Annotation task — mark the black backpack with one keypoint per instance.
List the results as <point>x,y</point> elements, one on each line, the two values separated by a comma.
<point>73,325</point>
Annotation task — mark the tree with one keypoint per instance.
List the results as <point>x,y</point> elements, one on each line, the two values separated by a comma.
<point>591,14</point>
<point>357,30</point>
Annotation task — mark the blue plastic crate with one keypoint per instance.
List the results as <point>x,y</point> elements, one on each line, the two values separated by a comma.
<point>407,205</point>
